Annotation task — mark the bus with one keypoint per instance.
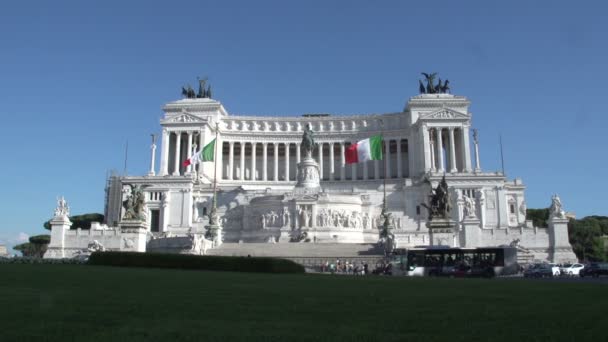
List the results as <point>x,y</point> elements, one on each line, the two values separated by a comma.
<point>454,262</point>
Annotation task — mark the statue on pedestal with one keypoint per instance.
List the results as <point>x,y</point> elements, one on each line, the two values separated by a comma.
<point>439,201</point>
<point>556,209</point>
<point>62,208</point>
<point>134,204</point>
<point>308,141</point>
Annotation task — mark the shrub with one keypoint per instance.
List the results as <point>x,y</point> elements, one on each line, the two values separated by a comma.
<point>197,262</point>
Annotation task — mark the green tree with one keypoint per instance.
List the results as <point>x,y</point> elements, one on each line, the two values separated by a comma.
<point>586,237</point>
<point>36,247</point>
<point>80,221</point>
<point>539,217</point>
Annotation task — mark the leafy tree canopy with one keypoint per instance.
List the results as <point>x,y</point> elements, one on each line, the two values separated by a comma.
<point>80,221</point>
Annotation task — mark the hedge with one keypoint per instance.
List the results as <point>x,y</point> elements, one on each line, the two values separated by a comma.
<point>195,262</point>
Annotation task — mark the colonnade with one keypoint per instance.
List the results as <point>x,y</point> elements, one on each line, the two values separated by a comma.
<point>449,149</point>
<point>279,161</point>
<point>176,148</point>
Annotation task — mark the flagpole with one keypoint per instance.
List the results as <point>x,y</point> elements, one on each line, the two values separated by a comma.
<point>213,214</point>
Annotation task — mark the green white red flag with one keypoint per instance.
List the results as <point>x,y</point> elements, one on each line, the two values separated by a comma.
<point>364,150</point>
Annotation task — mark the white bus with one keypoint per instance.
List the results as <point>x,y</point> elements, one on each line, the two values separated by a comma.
<point>454,262</point>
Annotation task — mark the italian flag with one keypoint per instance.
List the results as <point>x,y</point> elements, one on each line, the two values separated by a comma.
<point>364,150</point>
<point>205,155</point>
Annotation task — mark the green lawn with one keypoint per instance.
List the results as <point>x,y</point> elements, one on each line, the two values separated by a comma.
<point>95,303</point>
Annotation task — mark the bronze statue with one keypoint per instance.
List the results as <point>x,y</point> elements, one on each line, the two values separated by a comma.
<point>431,87</point>
<point>203,93</point>
<point>308,141</point>
<point>439,201</point>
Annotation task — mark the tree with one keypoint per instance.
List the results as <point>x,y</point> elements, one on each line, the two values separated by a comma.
<point>80,221</point>
<point>539,217</point>
<point>586,237</point>
<point>36,247</point>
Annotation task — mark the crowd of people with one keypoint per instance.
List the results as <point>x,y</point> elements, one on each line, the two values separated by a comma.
<point>354,268</point>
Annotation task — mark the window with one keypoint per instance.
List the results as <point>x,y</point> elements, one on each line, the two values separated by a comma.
<point>154,220</point>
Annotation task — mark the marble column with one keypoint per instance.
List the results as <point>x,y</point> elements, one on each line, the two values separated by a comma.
<point>320,147</point>
<point>265,161</point>
<point>287,145</point>
<point>164,162</point>
<point>427,149</point>
<point>242,161</point>
<point>189,152</point>
<point>178,146</point>
<point>453,167</point>
<point>377,168</point>
<point>152,158</point>
<point>432,145</point>
<point>276,162</point>
<point>253,157</point>
<point>342,163</point>
<point>440,149</point>
<point>466,148</point>
<point>353,167</point>
<point>399,160</point>
<point>476,142</point>
<point>297,153</point>
<point>331,161</point>
<point>387,164</point>
<point>230,160</point>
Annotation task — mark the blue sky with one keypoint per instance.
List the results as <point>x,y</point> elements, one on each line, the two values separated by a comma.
<point>80,78</point>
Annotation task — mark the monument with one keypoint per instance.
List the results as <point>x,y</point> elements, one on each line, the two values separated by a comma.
<point>280,184</point>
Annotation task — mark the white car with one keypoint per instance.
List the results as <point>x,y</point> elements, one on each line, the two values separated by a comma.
<point>573,270</point>
<point>555,270</point>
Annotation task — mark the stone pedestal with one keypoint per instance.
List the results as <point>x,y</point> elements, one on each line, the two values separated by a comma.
<point>214,234</point>
<point>560,250</point>
<point>133,236</point>
<point>308,174</point>
<point>441,232</point>
<point>59,226</point>
<point>471,233</point>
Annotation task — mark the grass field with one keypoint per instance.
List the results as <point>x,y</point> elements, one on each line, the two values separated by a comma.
<point>95,303</point>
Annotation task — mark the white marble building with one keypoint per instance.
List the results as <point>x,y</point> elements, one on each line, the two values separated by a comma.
<point>256,170</point>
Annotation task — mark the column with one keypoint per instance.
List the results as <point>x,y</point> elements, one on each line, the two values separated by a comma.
<point>189,152</point>
<point>365,170</point>
<point>475,140</point>
<point>399,160</point>
<point>353,167</point>
<point>164,161</point>
<point>387,163</point>
<point>242,161</point>
<point>320,161</point>
<point>432,149</point>
<point>230,160</point>
<point>466,149</point>
<point>440,149</point>
<point>178,146</point>
<point>452,151</point>
<point>427,149</point>
<point>276,162</point>
<point>152,157</point>
<point>253,157</point>
<point>298,153</point>
<point>287,145</point>
<point>342,163</point>
<point>331,161</point>
<point>377,168</point>
<point>265,161</point>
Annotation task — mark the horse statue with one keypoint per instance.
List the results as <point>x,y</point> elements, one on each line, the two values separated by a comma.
<point>134,204</point>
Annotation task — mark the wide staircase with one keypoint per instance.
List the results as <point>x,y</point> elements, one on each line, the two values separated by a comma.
<point>311,255</point>
<point>524,256</point>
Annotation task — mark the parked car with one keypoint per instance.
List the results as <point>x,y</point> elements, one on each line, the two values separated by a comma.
<point>573,270</point>
<point>539,271</point>
<point>555,270</point>
<point>594,269</point>
<point>563,268</point>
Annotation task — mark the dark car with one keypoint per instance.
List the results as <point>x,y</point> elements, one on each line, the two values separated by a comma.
<point>539,271</point>
<point>594,269</point>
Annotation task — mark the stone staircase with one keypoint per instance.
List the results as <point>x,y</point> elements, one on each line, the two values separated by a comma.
<point>524,256</point>
<point>297,250</point>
